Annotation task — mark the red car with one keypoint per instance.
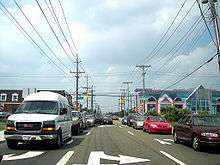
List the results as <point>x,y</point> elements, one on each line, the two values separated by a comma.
<point>157,124</point>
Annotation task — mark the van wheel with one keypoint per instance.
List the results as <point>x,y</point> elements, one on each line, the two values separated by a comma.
<point>175,138</point>
<point>195,143</point>
<point>59,140</point>
<point>12,144</point>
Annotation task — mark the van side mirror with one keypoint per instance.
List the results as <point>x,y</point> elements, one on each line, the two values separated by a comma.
<point>63,111</point>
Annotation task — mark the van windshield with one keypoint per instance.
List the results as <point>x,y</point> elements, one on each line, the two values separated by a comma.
<point>39,107</point>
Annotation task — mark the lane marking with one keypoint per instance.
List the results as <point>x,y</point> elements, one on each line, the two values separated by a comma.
<point>26,155</point>
<point>88,133</point>
<point>120,127</point>
<point>169,140</point>
<point>130,133</point>
<point>162,142</point>
<point>65,158</point>
<point>172,158</point>
<point>69,142</point>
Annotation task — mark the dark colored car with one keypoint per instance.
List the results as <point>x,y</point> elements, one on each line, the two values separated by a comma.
<point>198,130</point>
<point>130,120</point>
<point>4,114</point>
<point>99,119</point>
<point>107,120</point>
<point>124,121</point>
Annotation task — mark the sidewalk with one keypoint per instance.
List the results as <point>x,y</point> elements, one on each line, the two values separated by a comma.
<point>2,136</point>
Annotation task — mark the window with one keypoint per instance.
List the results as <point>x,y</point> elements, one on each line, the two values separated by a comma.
<point>14,97</point>
<point>3,97</point>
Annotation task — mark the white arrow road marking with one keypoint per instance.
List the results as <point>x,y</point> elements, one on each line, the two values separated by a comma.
<point>130,133</point>
<point>120,127</point>
<point>172,158</point>
<point>69,142</point>
<point>169,140</point>
<point>26,155</point>
<point>96,156</point>
<point>65,158</point>
<point>162,142</point>
<point>102,126</point>
<point>88,133</point>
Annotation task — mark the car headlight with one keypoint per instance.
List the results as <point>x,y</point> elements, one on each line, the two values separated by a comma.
<point>207,134</point>
<point>10,125</point>
<point>153,125</point>
<point>49,125</point>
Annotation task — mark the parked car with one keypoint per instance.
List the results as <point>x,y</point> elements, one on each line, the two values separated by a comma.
<point>4,115</point>
<point>157,124</point>
<point>198,130</point>
<point>42,116</point>
<point>107,120</point>
<point>99,119</point>
<point>138,122</point>
<point>114,117</point>
<point>77,123</point>
<point>124,120</point>
<point>90,120</point>
<point>130,119</point>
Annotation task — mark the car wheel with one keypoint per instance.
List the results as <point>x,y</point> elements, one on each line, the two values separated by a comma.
<point>149,131</point>
<point>144,130</point>
<point>195,143</point>
<point>175,138</point>
<point>12,144</point>
<point>59,140</point>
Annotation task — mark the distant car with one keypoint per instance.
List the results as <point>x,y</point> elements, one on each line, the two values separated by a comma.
<point>90,120</point>
<point>77,123</point>
<point>107,120</point>
<point>124,121</point>
<point>99,119</point>
<point>4,114</point>
<point>130,120</point>
<point>157,124</point>
<point>198,130</point>
<point>138,122</point>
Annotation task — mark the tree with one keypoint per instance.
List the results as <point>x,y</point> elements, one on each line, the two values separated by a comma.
<point>151,113</point>
<point>173,114</point>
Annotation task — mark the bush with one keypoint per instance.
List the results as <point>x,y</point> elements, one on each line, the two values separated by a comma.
<point>173,114</point>
<point>151,113</point>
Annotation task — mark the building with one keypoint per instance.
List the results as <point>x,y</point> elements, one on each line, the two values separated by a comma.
<point>10,99</point>
<point>193,99</point>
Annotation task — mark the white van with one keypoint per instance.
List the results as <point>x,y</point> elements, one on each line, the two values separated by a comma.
<point>42,116</point>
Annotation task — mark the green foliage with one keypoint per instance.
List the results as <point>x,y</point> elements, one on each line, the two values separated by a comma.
<point>151,113</point>
<point>173,114</point>
<point>203,113</point>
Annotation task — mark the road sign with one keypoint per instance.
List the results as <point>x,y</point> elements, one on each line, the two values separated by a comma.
<point>96,156</point>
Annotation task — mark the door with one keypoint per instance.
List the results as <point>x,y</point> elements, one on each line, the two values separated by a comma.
<point>180,128</point>
<point>187,129</point>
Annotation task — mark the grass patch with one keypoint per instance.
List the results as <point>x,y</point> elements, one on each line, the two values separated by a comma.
<point>2,124</point>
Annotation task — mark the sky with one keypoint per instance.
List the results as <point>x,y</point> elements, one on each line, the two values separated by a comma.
<point>111,38</point>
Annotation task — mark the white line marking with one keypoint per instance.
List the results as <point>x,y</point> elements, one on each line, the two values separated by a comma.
<point>120,127</point>
<point>29,154</point>
<point>170,140</point>
<point>69,142</point>
<point>172,158</point>
<point>162,142</point>
<point>65,158</point>
<point>130,133</point>
<point>88,133</point>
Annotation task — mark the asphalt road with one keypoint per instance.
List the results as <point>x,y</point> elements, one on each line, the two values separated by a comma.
<point>115,144</point>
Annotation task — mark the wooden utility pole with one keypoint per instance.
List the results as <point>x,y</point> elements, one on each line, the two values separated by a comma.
<point>143,67</point>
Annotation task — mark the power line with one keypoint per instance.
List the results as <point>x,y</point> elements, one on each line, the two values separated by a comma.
<point>173,32</point>
<point>27,36</point>
<point>39,35</point>
<point>189,74</point>
<point>54,33</point>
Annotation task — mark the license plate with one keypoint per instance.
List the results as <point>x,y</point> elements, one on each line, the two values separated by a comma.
<point>26,137</point>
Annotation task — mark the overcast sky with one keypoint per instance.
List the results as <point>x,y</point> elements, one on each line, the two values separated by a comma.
<point>112,37</point>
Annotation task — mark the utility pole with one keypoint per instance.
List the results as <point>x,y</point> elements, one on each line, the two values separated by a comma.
<point>128,92</point>
<point>143,67</point>
<point>214,19</point>
<point>77,80</point>
<point>122,101</point>
<point>87,91</point>
<point>92,98</point>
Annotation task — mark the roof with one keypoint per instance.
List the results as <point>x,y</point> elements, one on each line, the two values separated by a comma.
<point>45,96</point>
